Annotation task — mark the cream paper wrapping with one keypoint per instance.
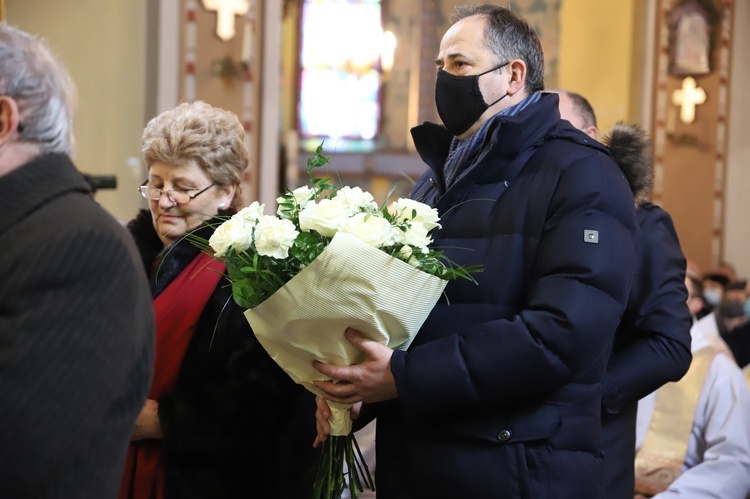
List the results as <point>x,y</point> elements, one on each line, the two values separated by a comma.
<point>350,284</point>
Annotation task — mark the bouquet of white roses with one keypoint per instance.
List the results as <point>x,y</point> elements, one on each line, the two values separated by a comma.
<point>328,260</point>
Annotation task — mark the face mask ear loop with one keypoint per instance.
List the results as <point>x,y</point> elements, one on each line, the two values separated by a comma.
<point>494,69</point>
<point>489,71</point>
<point>498,100</point>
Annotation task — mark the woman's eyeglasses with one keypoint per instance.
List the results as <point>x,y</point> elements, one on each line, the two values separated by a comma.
<point>176,195</point>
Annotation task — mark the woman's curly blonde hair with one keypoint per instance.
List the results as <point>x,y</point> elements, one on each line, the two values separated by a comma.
<point>213,137</point>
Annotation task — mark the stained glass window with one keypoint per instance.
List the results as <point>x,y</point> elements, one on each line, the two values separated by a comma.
<point>340,78</point>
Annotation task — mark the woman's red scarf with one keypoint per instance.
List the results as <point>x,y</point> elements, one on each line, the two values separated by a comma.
<point>177,310</point>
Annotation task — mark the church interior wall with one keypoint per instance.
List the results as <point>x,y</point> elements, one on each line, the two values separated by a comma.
<point>597,59</point>
<point>737,228</point>
<point>102,43</point>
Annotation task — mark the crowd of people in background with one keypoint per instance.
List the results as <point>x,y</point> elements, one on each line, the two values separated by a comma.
<point>725,304</point>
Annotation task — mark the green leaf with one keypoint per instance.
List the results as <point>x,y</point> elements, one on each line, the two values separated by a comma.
<point>317,160</point>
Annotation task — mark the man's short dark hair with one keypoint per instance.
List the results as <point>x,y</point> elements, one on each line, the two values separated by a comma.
<point>736,286</point>
<point>583,108</point>
<point>721,279</point>
<point>510,37</point>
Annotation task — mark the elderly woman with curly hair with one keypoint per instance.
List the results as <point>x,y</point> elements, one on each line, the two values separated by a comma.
<point>222,419</point>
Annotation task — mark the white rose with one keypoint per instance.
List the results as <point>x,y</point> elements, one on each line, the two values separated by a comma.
<point>405,253</point>
<point>274,236</point>
<point>355,200</point>
<point>251,213</point>
<point>408,210</point>
<point>324,217</point>
<point>414,262</point>
<point>369,228</point>
<point>235,234</point>
<point>301,197</point>
<point>417,235</point>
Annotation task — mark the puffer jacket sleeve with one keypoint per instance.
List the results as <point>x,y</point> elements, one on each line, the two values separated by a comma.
<point>653,341</point>
<point>576,240</point>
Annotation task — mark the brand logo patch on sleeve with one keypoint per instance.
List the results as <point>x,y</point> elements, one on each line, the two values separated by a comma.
<point>591,236</point>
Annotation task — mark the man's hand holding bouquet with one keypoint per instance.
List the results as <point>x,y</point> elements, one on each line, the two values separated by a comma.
<point>332,260</point>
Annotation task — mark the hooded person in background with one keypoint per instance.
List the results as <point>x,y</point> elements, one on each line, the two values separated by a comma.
<point>652,343</point>
<point>76,323</point>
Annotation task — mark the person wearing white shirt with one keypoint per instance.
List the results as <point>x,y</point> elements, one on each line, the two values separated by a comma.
<point>717,458</point>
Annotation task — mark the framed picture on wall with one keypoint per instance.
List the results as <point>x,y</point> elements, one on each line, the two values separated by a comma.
<point>692,25</point>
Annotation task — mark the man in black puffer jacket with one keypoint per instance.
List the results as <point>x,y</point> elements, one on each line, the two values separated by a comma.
<point>499,395</point>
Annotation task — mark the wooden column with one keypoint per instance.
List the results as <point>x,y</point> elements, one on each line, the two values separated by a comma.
<point>690,158</point>
<point>228,74</point>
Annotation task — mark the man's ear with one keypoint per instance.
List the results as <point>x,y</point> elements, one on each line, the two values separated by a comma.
<point>592,132</point>
<point>9,118</point>
<point>517,80</point>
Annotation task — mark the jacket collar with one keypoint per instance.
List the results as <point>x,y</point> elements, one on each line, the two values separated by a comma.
<point>34,184</point>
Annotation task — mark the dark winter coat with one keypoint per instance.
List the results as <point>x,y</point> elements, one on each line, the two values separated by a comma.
<point>76,336</point>
<point>236,425</point>
<point>499,394</point>
<point>652,344</point>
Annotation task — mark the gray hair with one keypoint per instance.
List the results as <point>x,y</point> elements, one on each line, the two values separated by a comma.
<point>510,37</point>
<point>41,86</point>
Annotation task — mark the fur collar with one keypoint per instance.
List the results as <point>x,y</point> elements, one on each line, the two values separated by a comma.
<point>630,147</point>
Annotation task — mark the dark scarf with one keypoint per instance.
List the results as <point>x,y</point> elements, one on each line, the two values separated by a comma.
<point>462,153</point>
<point>164,264</point>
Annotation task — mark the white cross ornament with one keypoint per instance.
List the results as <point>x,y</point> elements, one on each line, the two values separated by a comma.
<point>225,12</point>
<point>687,98</point>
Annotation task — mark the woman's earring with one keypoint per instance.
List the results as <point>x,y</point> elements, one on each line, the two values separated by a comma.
<point>221,205</point>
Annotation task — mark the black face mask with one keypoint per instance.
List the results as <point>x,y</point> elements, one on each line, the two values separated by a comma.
<point>459,101</point>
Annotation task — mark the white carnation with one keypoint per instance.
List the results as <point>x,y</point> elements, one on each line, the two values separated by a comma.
<point>355,200</point>
<point>324,217</point>
<point>369,228</point>
<point>398,235</point>
<point>274,236</point>
<point>236,233</point>
<point>408,210</point>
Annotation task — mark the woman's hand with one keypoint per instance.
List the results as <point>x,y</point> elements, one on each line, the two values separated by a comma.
<point>147,425</point>
<point>322,414</point>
